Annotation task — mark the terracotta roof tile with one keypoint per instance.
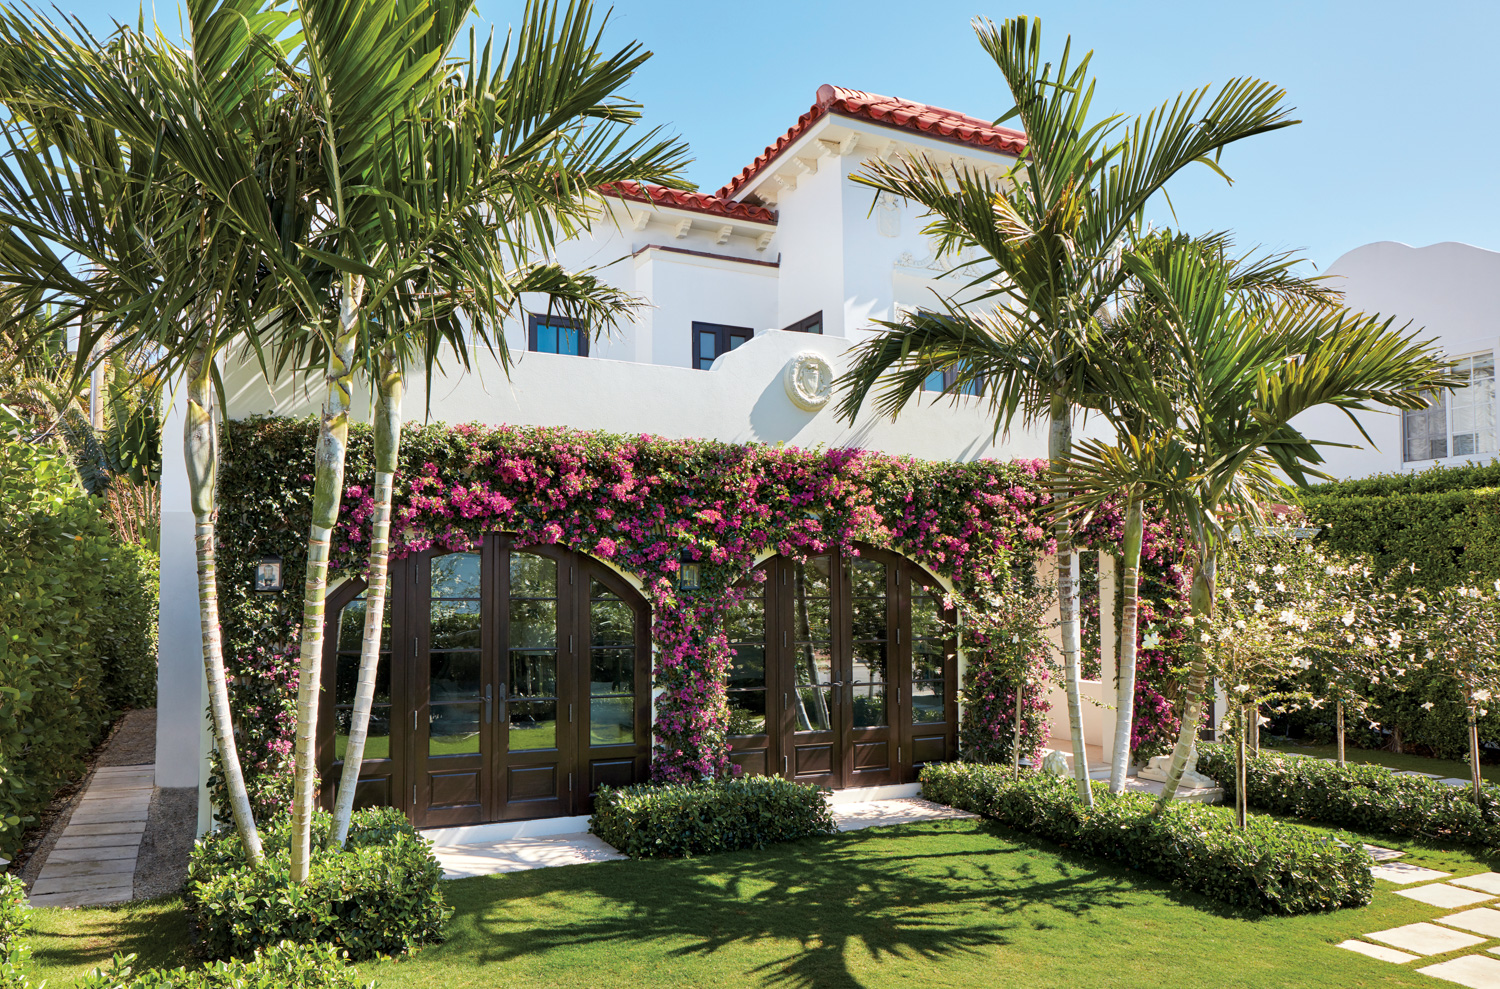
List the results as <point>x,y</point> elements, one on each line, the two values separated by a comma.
<point>698,202</point>
<point>949,125</point>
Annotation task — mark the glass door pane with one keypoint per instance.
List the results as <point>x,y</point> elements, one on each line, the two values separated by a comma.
<point>532,698</point>
<point>869,617</point>
<point>812,644</point>
<point>454,643</point>
<point>612,636</point>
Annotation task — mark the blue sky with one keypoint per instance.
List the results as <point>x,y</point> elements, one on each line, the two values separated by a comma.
<point>1399,104</point>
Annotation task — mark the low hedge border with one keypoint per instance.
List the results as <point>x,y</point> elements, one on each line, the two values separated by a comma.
<point>680,819</point>
<point>378,896</point>
<point>1268,866</point>
<point>1363,797</point>
<point>280,966</point>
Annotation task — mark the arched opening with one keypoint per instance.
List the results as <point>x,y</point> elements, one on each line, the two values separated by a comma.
<point>844,671</point>
<point>520,683</point>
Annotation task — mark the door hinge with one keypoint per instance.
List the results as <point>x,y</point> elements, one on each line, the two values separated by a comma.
<point>414,721</point>
<point>898,755</point>
<point>784,764</point>
<point>570,782</point>
<point>783,638</point>
<point>414,794</point>
<point>570,714</point>
<point>898,635</point>
<point>570,642</point>
<point>570,574</point>
<point>414,645</point>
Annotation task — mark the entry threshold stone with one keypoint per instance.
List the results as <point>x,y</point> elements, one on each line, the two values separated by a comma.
<point>1445,896</point>
<point>1404,873</point>
<point>520,854</point>
<point>1482,920</point>
<point>1474,971</point>
<point>1487,881</point>
<point>1378,952</point>
<point>1426,939</point>
<point>883,813</point>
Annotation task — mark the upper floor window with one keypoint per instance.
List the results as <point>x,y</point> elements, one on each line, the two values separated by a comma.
<point>556,335</point>
<point>712,339</point>
<point>812,324</point>
<point>941,381</point>
<point>1457,423</point>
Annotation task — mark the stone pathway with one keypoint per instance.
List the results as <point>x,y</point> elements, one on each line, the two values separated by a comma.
<point>93,861</point>
<point>518,854</point>
<point>1462,931</point>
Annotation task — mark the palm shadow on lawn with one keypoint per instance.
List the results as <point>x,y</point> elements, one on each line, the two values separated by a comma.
<point>827,896</point>
<point>153,930</point>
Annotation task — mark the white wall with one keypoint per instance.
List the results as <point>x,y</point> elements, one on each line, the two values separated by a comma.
<point>1449,291</point>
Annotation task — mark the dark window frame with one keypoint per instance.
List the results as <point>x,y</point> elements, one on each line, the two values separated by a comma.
<point>950,376</point>
<point>536,320</point>
<point>722,333</point>
<point>806,325</point>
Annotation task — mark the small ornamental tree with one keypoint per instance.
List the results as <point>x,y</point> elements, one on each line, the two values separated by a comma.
<point>1269,603</point>
<point>1462,632</point>
<point>1009,631</point>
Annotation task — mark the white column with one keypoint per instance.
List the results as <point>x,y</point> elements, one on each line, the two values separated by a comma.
<point>1109,638</point>
<point>182,734</point>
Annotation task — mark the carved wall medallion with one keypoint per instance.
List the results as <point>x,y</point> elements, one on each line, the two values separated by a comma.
<point>809,381</point>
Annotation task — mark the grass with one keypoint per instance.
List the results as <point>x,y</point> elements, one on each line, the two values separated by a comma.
<point>1447,768</point>
<point>952,903</point>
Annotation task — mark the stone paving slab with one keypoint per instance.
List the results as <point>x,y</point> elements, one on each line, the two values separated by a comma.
<point>82,884</point>
<point>76,830</point>
<point>1445,896</point>
<point>1455,781</point>
<point>1425,939</point>
<point>83,897</point>
<point>1413,772</point>
<point>98,867</point>
<point>1487,881</point>
<point>98,853</point>
<point>108,816</point>
<point>1382,854</point>
<point>110,840</point>
<point>1404,873</point>
<point>1378,952</point>
<point>519,854</point>
<point>883,813</point>
<point>1474,971</point>
<point>1482,920</point>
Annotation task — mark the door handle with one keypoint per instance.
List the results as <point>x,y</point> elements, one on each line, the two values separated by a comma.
<point>489,714</point>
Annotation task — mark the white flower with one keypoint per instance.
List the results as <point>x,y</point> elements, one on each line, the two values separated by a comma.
<point>1240,624</point>
<point>1348,618</point>
<point>1187,620</point>
<point>1260,568</point>
<point>1481,695</point>
<point>1427,706</point>
<point>1278,569</point>
<point>1259,606</point>
<point>1370,642</point>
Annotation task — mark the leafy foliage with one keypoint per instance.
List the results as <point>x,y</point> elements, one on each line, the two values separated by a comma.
<point>78,612</point>
<point>15,953</point>
<point>679,819</point>
<point>379,896</point>
<point>1267,866</point>
<point>1364,797</point>
<point>305,966</point>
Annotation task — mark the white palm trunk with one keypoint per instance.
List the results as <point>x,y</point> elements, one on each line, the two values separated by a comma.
<point>1202,598</point>
<point>1129,622</point>
<point>328,490</point>
<point>1059,449</point>
<point>200,444</point>
<point>387,456</point>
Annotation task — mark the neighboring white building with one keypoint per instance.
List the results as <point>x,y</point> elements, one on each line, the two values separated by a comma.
<point>1450,292</point>
<point>754,294</point>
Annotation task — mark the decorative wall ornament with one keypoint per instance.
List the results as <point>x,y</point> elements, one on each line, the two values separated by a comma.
<point>887,215</point>
<point>931,261</point>
<point>809,381</point>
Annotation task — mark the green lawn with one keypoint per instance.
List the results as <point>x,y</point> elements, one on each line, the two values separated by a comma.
<point>1379,757</point>
<point>954,903</point>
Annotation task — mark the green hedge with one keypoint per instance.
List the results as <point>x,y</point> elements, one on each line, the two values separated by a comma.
<point>15,953</point>
<point>77,627</point>
<point>1267,866</point>
<point>378,897</point>
<point>669,820</point>
<point>1366,798</point>
<point>280,966</point>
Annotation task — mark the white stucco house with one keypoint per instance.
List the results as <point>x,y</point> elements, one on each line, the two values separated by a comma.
<point>753,295</point>
<point>1449,292</point>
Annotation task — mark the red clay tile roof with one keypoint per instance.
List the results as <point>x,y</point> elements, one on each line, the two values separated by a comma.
<point>947,125</point>
<point>698,202</point>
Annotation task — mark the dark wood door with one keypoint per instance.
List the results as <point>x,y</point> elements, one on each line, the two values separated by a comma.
<point>869,700</point>
<point>813,725</point>
<point>613,696</point>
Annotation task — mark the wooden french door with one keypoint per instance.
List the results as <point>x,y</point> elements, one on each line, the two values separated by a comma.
<point>524,685</point>
<point>844,673</point>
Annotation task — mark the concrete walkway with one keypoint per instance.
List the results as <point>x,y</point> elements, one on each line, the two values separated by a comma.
<point>463,861</point>
<point>93,862</point>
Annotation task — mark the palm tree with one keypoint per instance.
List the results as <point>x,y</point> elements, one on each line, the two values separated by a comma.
<point>444,185</point>
<point>86,184</point>
<point>1219,382</point>
<point>1048,237</point>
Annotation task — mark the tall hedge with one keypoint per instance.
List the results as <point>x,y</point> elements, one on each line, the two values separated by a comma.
<point>1446,520</point>
<point>77,627</point>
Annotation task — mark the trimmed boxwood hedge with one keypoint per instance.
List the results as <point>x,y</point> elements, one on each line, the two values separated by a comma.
<point>284,965</point>
<point>379,896</point>
<point>678,819</point>
<point>1367,798</point>
<point>1267,866</point>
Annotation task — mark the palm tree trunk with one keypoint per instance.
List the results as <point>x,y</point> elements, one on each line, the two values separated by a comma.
<point>1202,599</point>
<point>1059,450</point>
<point>200,446</point>
<point>1129,620</point>
<point>387,456</point>
<point>1338,728</point>
<point>328,491</point>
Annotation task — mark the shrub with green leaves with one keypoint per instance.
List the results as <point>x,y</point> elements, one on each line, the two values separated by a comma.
<point>279,966</point>
<point>1363,797</point>
<point>77,626</point>
<point>678,819</point>
<point>15,916</point>
<point>378,896</point>
<point>1267,866</point>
